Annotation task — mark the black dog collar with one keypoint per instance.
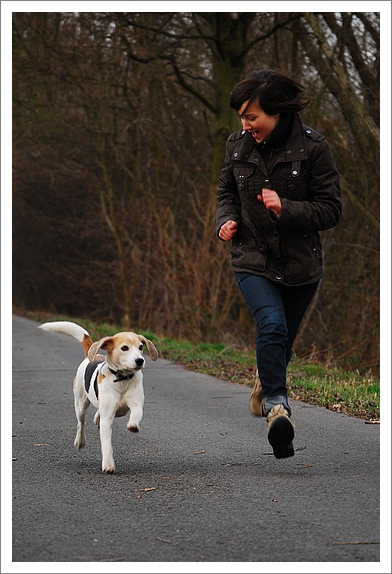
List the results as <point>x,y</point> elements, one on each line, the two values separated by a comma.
<point>119,376</point>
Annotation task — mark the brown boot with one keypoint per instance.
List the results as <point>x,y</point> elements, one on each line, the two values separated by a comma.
<point>256,399</point>
<point>280,432</point>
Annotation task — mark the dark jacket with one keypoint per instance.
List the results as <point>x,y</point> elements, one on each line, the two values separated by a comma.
<point>297,163</point>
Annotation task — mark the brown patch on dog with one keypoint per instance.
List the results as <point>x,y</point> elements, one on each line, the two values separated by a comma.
<point>86,344</point>
<point>152,350</point>
<point>100,378</point>
<point>101,344</point>
<point>108,345</point>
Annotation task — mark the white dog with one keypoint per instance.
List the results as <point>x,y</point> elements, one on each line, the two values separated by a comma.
<point>113,384</point>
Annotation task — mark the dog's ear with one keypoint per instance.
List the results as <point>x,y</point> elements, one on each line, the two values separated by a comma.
<point>152,350</point>
<point>104,343</point>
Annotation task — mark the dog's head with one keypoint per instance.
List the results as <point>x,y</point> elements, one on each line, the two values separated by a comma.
<point>124,351</point>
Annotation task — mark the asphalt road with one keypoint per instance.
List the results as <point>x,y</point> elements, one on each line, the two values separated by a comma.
<point>199,482</point>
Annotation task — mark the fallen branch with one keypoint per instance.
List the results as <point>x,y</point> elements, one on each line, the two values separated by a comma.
<point>163,540</point>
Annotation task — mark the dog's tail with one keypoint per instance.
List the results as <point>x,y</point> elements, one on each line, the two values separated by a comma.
<point>72,329</point>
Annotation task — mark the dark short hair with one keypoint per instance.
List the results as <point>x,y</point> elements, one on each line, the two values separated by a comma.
<point>273,91</point>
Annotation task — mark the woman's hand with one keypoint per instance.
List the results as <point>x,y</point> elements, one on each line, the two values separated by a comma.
<point>271,200</point>
<point>228,230</point>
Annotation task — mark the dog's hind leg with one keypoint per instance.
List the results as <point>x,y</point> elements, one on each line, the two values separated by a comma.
<point>97,419</point>
<point>81,405</point>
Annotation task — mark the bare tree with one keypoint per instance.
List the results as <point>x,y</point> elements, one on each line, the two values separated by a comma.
<point>122,120</point>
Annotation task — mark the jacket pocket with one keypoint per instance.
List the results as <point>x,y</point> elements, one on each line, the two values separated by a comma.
<point>247,254</point>
<point>303,257</point>
<point>293,185</point>
<point>242,173</point>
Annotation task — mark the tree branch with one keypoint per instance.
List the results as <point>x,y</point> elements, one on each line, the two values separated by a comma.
<point>345,95</point>
<point>192,90</point>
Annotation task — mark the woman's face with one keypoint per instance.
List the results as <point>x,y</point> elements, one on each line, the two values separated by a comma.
<point>257,122</point>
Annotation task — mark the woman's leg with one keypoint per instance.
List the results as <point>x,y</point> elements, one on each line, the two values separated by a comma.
<point>278,311</point>
<point>265,302</point>
<point>295,300</point>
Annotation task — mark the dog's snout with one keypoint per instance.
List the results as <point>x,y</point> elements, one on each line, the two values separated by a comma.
<point>139,362</point>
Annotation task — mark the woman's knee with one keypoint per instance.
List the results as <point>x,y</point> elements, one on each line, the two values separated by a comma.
<point>273,325</point>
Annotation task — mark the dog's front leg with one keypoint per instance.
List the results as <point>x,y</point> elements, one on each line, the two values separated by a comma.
<point>105,429</point>
<point>135,405</point>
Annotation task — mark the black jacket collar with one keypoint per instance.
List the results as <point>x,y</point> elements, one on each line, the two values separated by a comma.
<point>291,148</point>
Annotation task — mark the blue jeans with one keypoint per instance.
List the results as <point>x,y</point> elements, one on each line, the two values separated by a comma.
<point>278,311</point>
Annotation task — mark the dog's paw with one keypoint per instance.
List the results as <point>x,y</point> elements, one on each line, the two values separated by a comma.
<point>133,428</point>
<point>80,443</point>
<point>108,468</point>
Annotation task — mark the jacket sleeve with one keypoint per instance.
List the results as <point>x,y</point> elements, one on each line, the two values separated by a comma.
<point>228,200</point>
<point>324,208</point>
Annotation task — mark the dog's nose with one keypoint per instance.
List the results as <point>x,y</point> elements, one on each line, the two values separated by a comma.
<point>139,362</point>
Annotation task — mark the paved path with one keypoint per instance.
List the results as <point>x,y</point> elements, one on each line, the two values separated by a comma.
<point>197,484</point>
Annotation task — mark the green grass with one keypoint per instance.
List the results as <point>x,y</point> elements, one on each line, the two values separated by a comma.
<point>343,391</point>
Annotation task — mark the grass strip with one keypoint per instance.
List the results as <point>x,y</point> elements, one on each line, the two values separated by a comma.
<point>343,391</point>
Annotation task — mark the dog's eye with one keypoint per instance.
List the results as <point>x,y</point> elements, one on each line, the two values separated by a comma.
<point>141,347</point>
<point>125,348</point>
